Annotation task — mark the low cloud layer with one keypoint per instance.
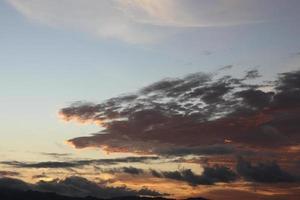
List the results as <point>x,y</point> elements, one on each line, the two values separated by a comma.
<point>76,187</point>
<point>261,172</point>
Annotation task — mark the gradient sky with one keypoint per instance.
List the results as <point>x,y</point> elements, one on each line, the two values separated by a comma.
<point>57,52</point>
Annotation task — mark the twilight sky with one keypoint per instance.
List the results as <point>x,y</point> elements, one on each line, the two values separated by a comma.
<point>149,94</point>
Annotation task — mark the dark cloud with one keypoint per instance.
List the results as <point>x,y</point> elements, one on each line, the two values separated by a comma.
<point>255,98</point>
<point>219,174</point>
<point>81,187</point>
<point>147,192</point>
<point>155,173</point>
<point>128,170</point>
<point>268,172</point>
<point>209,176</point>
<point>39,176</point>
<point>164,85</point>
<point>48,164</point>
<point>80,163</point>
<point>288,86</point>
<point>56,155</point>
<point>226,67</point>
<point>198,110</point>
<point>76,187</point>
<point>252,74</point>
<point>132,170</point>
<point>9,173</point>
<point>203,150</point>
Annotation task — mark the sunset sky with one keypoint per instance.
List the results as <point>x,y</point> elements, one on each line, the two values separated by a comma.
<point>172,98</point>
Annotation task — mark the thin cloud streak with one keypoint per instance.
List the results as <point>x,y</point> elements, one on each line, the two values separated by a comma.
<point>80,163</point>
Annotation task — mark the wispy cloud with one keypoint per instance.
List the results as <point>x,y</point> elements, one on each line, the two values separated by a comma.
<point>143,21</point>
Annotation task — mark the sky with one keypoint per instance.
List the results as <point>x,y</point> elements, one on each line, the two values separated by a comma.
<point>151,93</point>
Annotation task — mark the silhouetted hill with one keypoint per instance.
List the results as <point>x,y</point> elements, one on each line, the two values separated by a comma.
<point>9,194</point>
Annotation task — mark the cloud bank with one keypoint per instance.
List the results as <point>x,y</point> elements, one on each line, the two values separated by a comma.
<point>75,186</point>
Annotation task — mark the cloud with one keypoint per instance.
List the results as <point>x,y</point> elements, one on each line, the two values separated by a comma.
<point>75,186</point>
<point>80,163</point>
<point>81,187</point>
<point>203,150</point>
<point>219,174</point>
<point>255,98</point>
<point>39,176</point>
<point>289,87</point>
<point>142,21</point>
<point>265,172</point>
<point>148,192</point>
<point>252,74</point>
<point>127,170</point>
<point>209,176</point>
<point>226,67</point>
<point>132,170</point>
<point>268,172</point>
<point>196,114</point>
<point>56,155</point>
<point>9,173</point>
<point>48,164</point>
